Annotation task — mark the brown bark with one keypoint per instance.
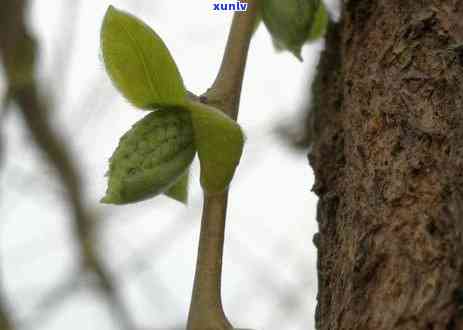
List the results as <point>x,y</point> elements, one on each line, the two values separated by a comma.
<point>388,160</point>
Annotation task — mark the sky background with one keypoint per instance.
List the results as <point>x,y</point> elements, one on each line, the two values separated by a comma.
<point>269,280</point>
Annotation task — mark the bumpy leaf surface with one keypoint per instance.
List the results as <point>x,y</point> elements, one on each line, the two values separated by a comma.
<point>151,157</point>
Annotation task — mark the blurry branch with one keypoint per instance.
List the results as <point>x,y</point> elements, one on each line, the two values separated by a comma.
<point>6,318</point>
<point>18,51</point>
<point>4,101</point>
<point>5,321</point>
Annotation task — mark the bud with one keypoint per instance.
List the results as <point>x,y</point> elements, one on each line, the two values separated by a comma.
<point>151,157</point>
<point>289,22</point>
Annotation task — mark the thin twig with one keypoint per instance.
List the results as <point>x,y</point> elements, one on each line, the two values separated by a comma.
<point>225,92</point>
<point>206,306</point>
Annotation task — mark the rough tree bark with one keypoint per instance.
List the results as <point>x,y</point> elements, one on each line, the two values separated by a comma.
<point>388,160</point>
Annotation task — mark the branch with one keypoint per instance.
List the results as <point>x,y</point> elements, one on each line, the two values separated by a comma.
<point>206,310</point>
<point>225,92</point>
<point>18,51</point>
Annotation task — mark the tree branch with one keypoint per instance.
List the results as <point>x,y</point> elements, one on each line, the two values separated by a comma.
<point>225,92</point>
<point>206,310</point>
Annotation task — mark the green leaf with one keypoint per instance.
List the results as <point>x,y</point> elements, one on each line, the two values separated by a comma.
<point>289,22</point>
<point>139,63</point>
<point>151,157</point>
<point>179,191</point>
<point>219,141</point>
<point>320,23</point>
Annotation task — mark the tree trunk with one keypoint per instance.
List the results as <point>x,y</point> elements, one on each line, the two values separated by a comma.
<point>388,160</point>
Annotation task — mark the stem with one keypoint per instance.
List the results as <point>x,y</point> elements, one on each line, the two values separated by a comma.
<point>206,310</point>
<point>225,92</point>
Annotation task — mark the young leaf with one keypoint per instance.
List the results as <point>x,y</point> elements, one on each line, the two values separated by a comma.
<point>219,141</point>
<point>151,157</point>
<point>139,63</point>
<point>289,22</point>
<point>179,191</point>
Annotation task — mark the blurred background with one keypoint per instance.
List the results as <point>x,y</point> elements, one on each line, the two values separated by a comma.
<point>134,265</point>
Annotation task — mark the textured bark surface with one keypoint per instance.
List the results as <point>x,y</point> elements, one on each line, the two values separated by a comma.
<point>388,159</point>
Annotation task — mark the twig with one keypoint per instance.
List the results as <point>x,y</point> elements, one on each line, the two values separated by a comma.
<point>206,310</point>
<point>225,92</point>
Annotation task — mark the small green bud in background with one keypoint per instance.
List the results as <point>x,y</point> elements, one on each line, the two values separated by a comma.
<point>290,22</point>
<point>139,63</point>
<point>151,157</point>
<point>320,23</point>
